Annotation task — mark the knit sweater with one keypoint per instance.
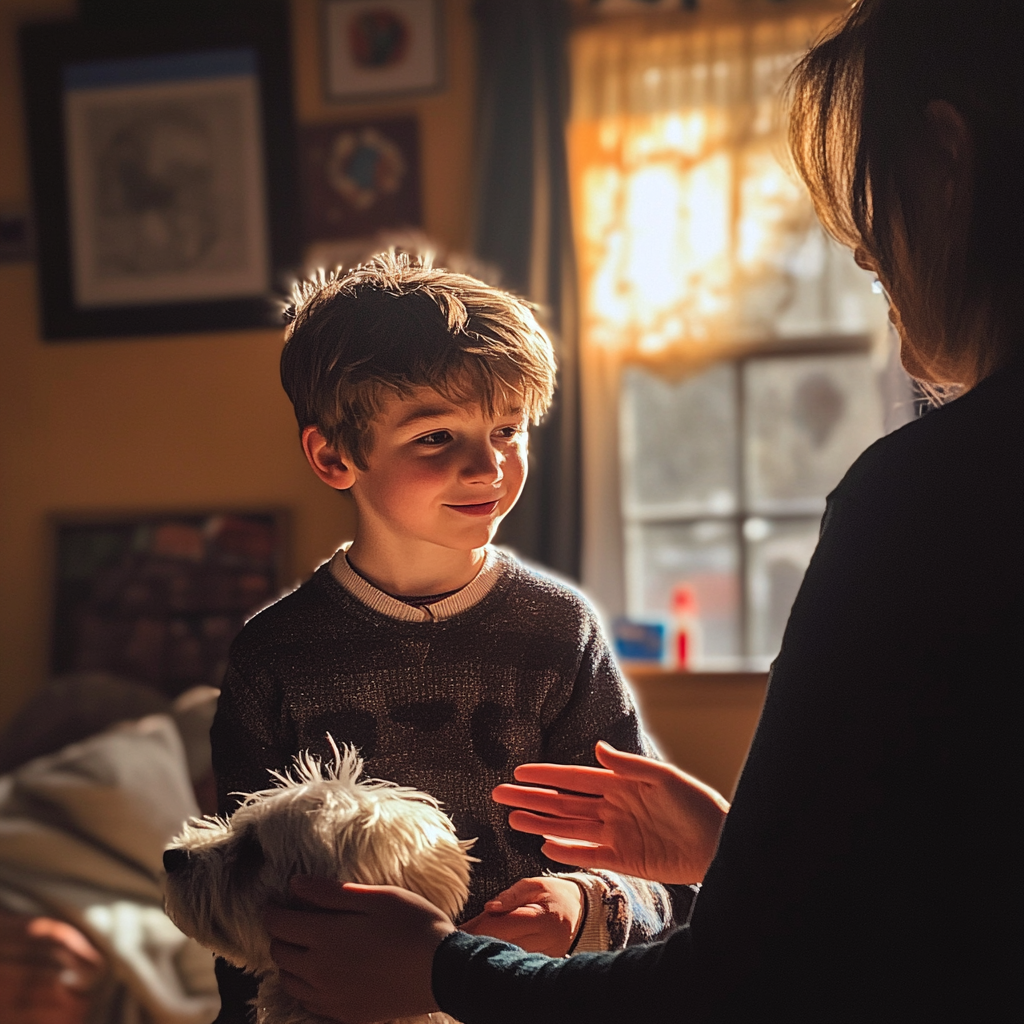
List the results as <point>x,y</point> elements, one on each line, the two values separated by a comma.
<point>447,698</point>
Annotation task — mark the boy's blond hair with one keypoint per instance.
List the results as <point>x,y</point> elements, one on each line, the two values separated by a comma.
<point>395,324</point>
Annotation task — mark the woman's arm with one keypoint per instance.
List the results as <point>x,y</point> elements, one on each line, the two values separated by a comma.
<point>370,953</point>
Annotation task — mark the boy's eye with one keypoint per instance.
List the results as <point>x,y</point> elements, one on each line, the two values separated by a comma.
<point>436,438</point>
<point>509,432</point>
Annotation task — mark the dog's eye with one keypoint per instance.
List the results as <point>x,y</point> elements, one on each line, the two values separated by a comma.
<point>248,852</point>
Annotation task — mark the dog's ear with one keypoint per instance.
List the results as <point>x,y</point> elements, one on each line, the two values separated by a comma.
<point>247,854</point>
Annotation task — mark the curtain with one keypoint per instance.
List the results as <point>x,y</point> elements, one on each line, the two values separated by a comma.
<point>694,237</point>
<point>695,241</point>
<point>523,229</point>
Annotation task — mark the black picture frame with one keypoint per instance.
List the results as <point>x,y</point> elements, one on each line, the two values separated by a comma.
<point>158,596</point>
<point>51,55</point>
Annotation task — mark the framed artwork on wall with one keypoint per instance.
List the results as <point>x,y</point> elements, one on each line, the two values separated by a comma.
<point>163,173</point>
<point>157,599</point>
<point>378,48</point>
<point>359,178</point>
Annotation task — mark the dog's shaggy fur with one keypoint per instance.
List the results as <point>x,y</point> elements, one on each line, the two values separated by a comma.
<point>319,820</point>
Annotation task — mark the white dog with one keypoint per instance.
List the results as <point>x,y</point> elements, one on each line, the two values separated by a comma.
<point>319,820</point>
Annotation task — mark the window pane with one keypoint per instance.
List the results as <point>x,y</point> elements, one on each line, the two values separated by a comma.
<point>701,556</point>
<point>777,556</point>
<point>807,420</point>
<point>679,445</point>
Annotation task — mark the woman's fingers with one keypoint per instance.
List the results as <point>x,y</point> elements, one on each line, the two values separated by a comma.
<point>292,926</point>
<point>587,830</point>
<point>577,855</point>
<point>584,780</point>
<point>574,777</point>
<point>334,895</point>
<point>635,767</point>
<point>363,955</point>
<point>548,801</point>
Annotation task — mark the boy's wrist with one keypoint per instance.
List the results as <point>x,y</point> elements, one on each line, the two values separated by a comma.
<point>592,934</point>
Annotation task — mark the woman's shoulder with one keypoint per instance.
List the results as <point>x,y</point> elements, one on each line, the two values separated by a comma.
<point>938,506</point>
<point>957,455</point>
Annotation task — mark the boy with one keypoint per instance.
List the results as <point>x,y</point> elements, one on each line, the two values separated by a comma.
<point>443,659</point>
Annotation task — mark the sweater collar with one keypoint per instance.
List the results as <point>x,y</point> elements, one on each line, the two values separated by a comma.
<point>455,604</point>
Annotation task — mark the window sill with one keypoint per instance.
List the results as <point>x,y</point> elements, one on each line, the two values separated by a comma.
<point>701,721</point>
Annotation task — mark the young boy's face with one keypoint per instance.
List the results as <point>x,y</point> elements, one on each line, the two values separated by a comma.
<point>440,473</point>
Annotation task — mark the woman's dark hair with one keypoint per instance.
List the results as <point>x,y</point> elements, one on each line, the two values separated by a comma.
<point>858,121</point>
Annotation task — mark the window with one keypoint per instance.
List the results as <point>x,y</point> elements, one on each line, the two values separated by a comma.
<point>732,354</point>
<point>724,478</point>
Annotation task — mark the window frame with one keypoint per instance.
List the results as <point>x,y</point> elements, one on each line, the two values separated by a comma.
<point>746,659</point>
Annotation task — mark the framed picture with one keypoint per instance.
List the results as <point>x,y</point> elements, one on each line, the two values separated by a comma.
<point>159,598</point>
<point>381,47</point>
<point>359,178</point>
<point>163,173</point>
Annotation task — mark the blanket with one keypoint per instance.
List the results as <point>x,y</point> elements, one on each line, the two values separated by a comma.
<point>82,833</point>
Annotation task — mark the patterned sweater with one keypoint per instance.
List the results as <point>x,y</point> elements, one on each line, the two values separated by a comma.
<point>448,698</point>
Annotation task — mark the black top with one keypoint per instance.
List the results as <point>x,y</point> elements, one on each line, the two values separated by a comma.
<point>870,868</point>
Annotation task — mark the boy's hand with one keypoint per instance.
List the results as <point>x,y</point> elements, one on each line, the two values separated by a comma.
<point>540,915</point>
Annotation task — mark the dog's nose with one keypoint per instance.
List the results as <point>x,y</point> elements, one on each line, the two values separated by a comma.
<point>175,858</point>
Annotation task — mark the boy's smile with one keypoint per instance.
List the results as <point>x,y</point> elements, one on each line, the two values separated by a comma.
<point>482,509</point>
<point>439,479</point>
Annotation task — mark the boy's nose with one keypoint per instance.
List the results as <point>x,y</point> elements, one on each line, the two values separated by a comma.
<point>484,463</point>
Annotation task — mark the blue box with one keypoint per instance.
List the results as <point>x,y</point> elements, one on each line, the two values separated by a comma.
<point>639,641</point>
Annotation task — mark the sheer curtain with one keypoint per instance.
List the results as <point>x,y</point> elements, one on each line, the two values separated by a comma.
<point>694,240</point>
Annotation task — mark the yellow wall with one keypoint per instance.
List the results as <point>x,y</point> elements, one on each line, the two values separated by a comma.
<point>182,422</point>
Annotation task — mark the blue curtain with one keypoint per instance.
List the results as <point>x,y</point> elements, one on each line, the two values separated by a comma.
<point>523,228</point>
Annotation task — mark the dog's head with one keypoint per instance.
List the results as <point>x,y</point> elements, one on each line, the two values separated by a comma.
<point>318,820</point>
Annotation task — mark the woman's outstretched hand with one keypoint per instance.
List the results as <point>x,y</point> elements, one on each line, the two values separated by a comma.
<point>364,953</point>
<point>635,815</point>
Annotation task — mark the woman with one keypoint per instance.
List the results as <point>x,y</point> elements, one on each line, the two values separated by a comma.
<point>868,869</point>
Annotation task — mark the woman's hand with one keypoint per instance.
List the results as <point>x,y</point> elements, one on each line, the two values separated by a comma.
<point>540,915</point>
<point>364,954</point>
<point>636,815</point>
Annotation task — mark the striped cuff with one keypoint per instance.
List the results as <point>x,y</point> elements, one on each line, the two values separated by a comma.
<point>593,935</point>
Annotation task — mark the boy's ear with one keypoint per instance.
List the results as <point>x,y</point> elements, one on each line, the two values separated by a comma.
<point>331,465</point>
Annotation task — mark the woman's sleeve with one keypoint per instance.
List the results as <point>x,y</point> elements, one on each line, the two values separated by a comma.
<point>480,980</point>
